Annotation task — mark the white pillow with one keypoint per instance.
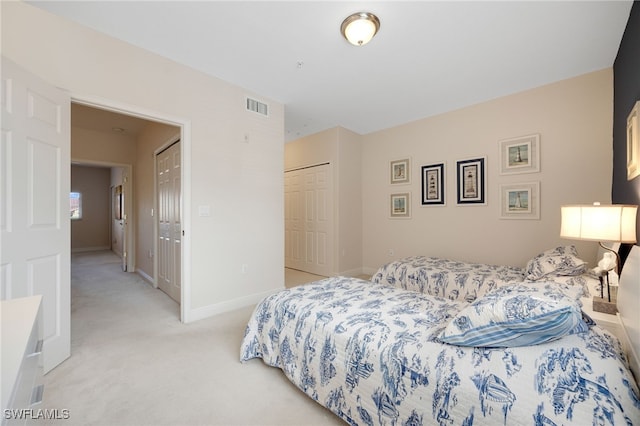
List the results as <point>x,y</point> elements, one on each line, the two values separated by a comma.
<point>558,261</point>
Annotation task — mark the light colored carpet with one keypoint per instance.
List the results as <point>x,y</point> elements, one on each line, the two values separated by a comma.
<point>133,363</point>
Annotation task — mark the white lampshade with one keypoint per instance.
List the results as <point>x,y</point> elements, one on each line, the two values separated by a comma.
<point>597,222</point>
<point>360,28</point>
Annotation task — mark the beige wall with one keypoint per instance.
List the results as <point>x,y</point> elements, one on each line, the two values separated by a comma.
<point>341,148</point>
<point>91,232</point>
<point>574,120</point>
<point>235,157</point>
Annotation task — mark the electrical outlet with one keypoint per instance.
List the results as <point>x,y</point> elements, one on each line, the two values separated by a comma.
<point>390,252</point>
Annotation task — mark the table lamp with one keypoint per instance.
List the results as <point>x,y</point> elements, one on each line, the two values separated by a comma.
<point>600,222</point>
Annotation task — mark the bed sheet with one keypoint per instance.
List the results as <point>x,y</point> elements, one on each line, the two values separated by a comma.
<point>369,353</point>
<point>451,279</point>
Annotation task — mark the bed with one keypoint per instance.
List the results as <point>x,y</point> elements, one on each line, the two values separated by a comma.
<point>373,353</point>
<point>467,281</point>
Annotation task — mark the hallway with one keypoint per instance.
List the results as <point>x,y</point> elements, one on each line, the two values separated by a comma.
<point>133,363</point>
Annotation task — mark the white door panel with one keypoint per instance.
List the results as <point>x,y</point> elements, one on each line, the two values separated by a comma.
<point>35,166</point>
<point>169,221</point>
<point>309,220</point>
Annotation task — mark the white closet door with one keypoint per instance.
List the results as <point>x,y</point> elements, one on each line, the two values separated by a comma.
<point>169,221</point>
<point>309,220</point>
<point>35,209</point>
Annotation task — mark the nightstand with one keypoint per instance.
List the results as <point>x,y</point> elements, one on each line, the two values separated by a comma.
<point>609,322</point>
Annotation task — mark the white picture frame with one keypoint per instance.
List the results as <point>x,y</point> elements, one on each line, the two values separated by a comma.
<point>400,206</point>
<point>520,155</point>
<point>633,142</point>
<point>520,201</point>
<point>400,171</point>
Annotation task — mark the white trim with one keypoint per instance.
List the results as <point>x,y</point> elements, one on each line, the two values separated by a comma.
<point>146,277</point>
<point>369,271</point>
<point>231,305</point>
<point>185,145</point>
<point>352,272</point>
<point>87,249</point>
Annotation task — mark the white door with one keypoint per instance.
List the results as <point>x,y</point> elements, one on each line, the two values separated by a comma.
<point>169,220</point>
<point>35,165</point>
<point>309,220</point>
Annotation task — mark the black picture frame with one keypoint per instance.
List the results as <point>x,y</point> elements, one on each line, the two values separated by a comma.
<point>471,185</point>
<point>433,185</point>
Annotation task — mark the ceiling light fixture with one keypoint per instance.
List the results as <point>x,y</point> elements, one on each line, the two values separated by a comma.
<point>360,28</point>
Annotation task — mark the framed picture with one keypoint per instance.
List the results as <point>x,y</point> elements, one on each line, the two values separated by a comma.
<point>433,184</point>
<point>400,171</point>
<point>400,205</point>
<point>520,201</point>
<point>633,142</point>
<point>520,155</point>
<point>471,181</point>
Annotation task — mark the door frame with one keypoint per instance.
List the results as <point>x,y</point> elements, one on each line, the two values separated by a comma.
<point>185,158</point>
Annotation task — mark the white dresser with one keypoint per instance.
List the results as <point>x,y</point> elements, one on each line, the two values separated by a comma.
<point>21,358</point>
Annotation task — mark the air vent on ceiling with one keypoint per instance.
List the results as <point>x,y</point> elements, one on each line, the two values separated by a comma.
<point>257,106</point>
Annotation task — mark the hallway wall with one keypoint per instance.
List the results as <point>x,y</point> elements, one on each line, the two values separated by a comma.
<point>91,232</point>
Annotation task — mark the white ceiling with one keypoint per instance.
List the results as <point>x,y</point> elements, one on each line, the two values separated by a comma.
<point>428,58</point>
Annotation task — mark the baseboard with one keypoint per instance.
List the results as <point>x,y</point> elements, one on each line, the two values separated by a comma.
<point>85,249</point>
<point>145,277</point>
<point>231,305</point>
<point>369,271</point>
<point>351,273</point>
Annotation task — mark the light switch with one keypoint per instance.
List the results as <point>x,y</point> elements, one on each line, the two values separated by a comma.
<point>204,211</point>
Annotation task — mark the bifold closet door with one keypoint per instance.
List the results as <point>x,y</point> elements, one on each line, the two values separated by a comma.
<point>309,219</point>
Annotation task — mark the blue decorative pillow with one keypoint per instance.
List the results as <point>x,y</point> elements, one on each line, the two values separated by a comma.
<point>520,314</point>
<point>558,261</point>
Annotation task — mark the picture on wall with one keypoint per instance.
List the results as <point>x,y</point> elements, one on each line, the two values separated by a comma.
<point>520,201</point>
<point>433,184</point>
<point>520,155</point>
<point>633,142</point>
<point>400,171</point>
<point>400,205</point>
<point>471,181</point>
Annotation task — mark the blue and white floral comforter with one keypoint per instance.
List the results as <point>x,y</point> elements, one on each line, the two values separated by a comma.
<point>369,353</point>
<point>446,278</point>
<point>464,281</point>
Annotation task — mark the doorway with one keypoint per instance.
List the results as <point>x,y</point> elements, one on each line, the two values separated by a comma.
<point>147,131</point>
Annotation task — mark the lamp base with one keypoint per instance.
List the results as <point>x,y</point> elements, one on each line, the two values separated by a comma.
<point>602,304</point>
